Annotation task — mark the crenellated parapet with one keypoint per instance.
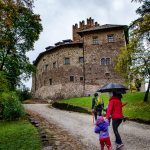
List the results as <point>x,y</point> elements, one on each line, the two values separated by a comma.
<point>81,26</point>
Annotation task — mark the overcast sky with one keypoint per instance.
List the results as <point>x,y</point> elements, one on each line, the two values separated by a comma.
<point>58,16</point>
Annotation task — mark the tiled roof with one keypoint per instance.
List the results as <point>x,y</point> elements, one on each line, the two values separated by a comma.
<point>102,27</point>
<point>53,48</point>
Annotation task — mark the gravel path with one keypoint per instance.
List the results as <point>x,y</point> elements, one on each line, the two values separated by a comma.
<point>134,135</point>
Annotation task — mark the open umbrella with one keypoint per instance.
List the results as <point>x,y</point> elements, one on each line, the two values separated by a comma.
<point>113,87</point>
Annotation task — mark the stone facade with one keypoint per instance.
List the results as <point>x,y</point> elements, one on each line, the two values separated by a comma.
<point>79,67</point>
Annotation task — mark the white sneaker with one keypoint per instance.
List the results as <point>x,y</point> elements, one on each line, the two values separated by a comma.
<point>119,146</point>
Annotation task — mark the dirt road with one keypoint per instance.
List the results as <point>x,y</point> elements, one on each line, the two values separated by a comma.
<point>135,136</point>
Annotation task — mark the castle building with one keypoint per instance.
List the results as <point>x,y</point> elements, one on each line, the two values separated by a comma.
<point>78,67</point>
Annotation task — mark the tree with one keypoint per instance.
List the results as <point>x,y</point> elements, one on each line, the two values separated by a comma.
<point>19,29</point>
<point>135,58</point>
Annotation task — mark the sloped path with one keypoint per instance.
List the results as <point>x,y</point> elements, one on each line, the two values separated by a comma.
<point>134,135</point>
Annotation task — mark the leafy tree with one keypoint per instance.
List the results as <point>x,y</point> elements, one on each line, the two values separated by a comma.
<point>4,85</point>
<point>19,29</point>
<point>135,58</point>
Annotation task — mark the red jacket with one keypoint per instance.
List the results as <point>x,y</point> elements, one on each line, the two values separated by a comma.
<point>115,108</point>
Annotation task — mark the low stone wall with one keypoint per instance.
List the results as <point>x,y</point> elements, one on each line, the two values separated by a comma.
<point>60,91</point>
<point>68,107</point>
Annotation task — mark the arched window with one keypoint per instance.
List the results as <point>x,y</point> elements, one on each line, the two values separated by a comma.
<point>103,61</point>
<point>108,61</point>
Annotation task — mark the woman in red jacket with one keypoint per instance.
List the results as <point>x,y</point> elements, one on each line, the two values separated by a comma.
<point>115,111</point>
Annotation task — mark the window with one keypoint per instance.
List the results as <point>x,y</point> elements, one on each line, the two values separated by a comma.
<point>95,40</point>
<point>67,61</point>
<point>50,81</point>
<point>54,64</point>
<point>81,78</point>
<point>107,75</point>
<point>103,61</point>
<point>81,60</point>
<point>71,78</point>
<point>108,61</point>
<point>110,38</point>
<point>46,67</point>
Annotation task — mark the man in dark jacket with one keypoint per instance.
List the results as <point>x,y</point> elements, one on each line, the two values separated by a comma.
<point>97,108</point>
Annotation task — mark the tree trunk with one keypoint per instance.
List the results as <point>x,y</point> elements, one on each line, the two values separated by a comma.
<point>147,92</point>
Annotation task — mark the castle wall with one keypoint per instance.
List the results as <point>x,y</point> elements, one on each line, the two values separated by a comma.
<point>96,73</point>
<point>60,75</point>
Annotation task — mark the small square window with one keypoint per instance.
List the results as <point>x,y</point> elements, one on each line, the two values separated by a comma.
<point>81,78</point>
<point>107,74</point>
<point>95,40</point>
<point>67,61</point>
<point>81,60</point>
<point>110,38</point>
<point>71,78</point>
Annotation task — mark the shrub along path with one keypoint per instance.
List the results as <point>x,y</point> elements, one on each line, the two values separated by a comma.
<point>134,135</point>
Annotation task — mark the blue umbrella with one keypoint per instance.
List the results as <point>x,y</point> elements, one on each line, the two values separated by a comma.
<point>113,87</point>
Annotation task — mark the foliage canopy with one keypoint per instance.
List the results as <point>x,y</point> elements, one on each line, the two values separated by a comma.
<point>134,59</point>
<point>19,28</point>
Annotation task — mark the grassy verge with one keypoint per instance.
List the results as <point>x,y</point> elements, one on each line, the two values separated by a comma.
<point>19,135</point>
<point>136,109</point>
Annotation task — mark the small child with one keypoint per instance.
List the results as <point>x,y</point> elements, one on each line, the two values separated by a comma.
<point>102,129</point>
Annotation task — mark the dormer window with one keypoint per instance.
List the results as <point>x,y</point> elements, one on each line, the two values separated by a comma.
<point>66,61</point>
<point>110,38</point>
<point>95,40</point>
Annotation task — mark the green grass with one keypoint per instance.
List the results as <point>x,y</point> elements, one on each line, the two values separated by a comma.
<point>19,135</point>
<point>135,109</point>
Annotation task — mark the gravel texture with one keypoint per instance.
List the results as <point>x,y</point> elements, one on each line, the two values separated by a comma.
<point>135,136</point>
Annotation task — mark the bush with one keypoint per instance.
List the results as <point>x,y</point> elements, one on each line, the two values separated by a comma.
<point>24,94</point>
<point>10,106</point>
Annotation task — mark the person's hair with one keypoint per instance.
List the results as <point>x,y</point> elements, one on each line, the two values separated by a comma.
<point>118,95</point>
<point>96,94</point>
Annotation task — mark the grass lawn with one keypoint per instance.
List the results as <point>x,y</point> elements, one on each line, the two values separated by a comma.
<point>19,135</point>
<point>135,109</point>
